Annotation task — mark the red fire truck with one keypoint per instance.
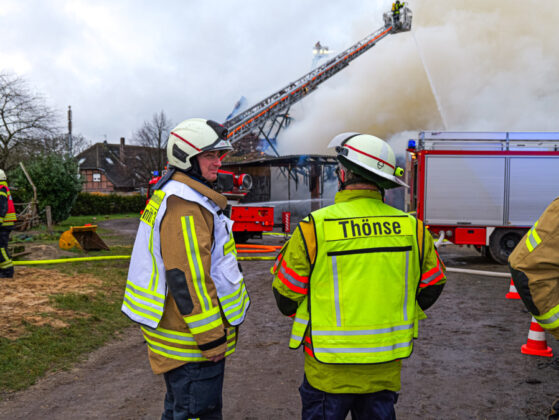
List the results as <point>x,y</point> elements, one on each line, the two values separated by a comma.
<point>251,220</point>
<point>482,189</point>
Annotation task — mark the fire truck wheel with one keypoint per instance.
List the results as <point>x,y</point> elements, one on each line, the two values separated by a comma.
<point>502,242</point>
<point>241,237</point>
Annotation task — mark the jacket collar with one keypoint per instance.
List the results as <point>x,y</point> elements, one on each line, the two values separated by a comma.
<point>347,195</point>
<point>216,197</point>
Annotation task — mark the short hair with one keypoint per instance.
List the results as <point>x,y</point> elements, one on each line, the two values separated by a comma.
<point>355,178</point>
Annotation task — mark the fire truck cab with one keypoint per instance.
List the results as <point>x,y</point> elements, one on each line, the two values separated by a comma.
<point>482,188</point>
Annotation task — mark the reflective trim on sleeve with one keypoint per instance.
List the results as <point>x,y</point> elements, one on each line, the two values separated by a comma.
<point>195,262</point>
<point>205,321</point>
<point>171,336</point>
<point>432,276</point>
<point>549,320</point>
<point>292,280</point>
<point>532,238</point>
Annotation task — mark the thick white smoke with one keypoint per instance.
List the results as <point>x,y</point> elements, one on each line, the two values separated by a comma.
<point>493,65</point>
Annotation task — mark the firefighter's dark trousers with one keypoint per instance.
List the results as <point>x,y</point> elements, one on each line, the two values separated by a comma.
<point>6,264</point>
<point>194,391</point>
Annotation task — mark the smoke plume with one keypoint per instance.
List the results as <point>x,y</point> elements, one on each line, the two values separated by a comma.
<point>493,67</point>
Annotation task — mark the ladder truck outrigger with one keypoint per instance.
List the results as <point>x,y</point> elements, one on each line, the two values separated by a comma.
<point>270,115</point>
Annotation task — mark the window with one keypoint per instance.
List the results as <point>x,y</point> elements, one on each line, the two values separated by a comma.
<point>96,177</point>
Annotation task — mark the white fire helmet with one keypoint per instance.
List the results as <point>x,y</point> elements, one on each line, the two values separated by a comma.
<point>2,175</point>
<point>370,157</point>
<point>192,137</point>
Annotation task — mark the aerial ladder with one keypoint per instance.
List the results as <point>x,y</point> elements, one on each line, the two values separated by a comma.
<point>270,115</point>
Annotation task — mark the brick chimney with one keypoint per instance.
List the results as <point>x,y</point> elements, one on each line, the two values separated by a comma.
<point>122,149</point>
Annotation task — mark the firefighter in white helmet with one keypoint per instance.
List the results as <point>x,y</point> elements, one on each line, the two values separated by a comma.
<point>185,287</point>
<point>356,277</point>
<point>7,220</point>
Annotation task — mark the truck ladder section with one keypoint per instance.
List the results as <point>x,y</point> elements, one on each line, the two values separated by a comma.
<point>489,141</point>
<point>274,109</point>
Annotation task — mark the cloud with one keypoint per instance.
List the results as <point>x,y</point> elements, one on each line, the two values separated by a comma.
<point>492,63</point>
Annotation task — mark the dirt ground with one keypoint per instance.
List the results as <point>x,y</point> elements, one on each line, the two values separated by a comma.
<point>466,364</point>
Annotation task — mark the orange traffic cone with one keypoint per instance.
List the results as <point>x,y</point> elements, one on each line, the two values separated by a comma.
<point>536,344</point>
<point>513,293</point>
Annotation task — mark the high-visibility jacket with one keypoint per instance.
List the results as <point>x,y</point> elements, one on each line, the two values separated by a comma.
<point>534,265</point>
<point>364,282</point>
<point>9,218</point>
<point>345,267</point>
<point>146,296</point>
<point>396,8</point>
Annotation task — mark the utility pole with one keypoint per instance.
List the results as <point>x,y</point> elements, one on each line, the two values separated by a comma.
<point>69,143</point>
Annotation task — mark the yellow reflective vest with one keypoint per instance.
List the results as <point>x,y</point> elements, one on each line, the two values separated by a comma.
<point>363,285</point>
<point>296,277</point>
<point>8,219</point>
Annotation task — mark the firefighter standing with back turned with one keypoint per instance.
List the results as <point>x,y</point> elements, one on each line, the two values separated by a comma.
<point>534,265</point>
<point>7,220</point>
<point>184,284</point>
<point>356,276</point>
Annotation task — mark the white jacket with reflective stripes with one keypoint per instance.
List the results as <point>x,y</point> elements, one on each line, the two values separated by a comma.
<point>146,287</point>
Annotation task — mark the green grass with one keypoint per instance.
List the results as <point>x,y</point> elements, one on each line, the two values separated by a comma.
<point>98,319</point>
<point>45,348</point>
<point>93,219</point>
<point>39,233</point>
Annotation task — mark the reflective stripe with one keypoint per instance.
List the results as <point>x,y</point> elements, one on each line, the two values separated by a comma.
<point>154,271</point>
<point>233,296</point>
<point>194,261</point>
<point>405,308</point>
<point>336,291</point>
<point>169,335</point>
<point>533,239</point>
<point>193,354</point>
<point>549,320</point>
<point>210,321</point>
<point>298,331</point>
<point>205,321</point>
<point>233,309</point>
<point>432,276</point>
<point>230,247</point>
<point>364,332</point>
<point>362,349</point>
<point>139,310</point>
<point>291,279</point>
<point>137,291</point>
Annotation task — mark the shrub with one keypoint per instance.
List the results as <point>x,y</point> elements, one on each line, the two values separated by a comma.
<point>91,203</point>
<point>56,179</point>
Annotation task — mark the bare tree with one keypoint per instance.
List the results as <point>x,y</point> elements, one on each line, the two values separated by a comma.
<point>154,134</point>
<point>24,118</point>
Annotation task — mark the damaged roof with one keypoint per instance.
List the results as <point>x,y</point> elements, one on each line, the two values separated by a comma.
<point>129,169</point>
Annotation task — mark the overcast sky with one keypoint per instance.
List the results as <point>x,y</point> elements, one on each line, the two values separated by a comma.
<point>118,62</point>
